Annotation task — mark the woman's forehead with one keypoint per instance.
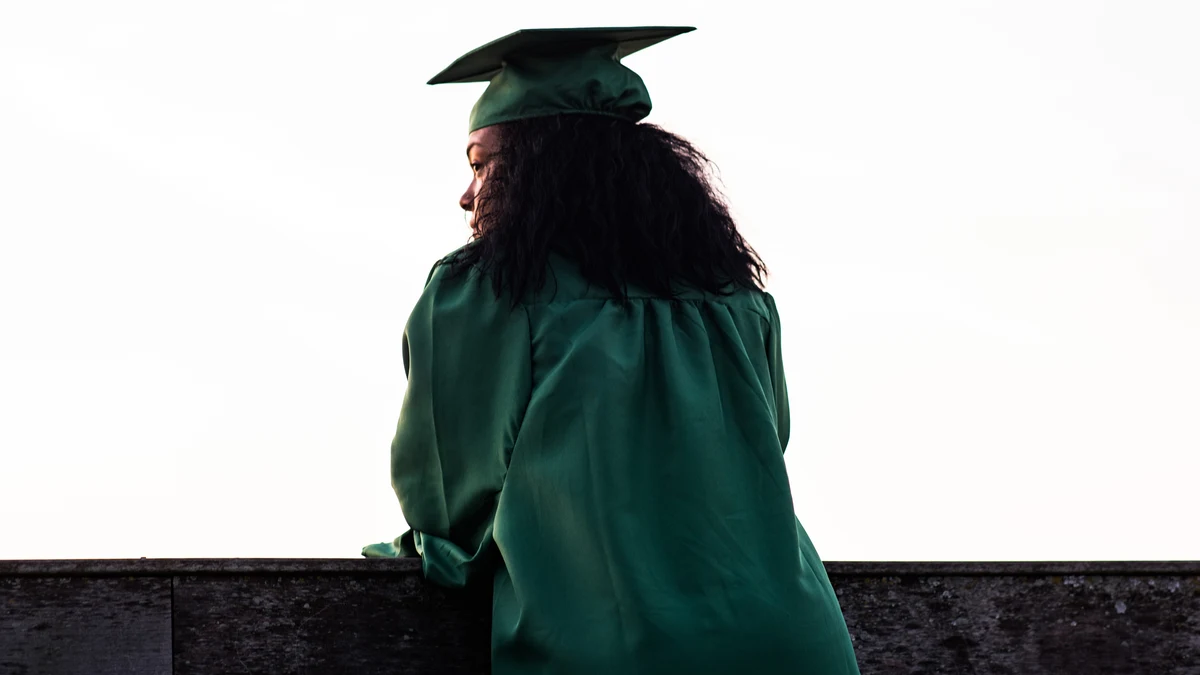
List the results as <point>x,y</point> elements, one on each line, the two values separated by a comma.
<point>484,139</point>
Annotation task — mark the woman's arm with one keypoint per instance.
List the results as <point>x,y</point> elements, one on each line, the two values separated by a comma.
<point>779,382</point>
<point>467,357</point>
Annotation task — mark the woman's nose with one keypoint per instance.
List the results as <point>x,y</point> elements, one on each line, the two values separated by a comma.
<point>467,200</point>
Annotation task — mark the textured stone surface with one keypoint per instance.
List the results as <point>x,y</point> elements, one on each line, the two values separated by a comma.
<point>330,623</point>
<point>378,616</point>
<point>1012,625</point>
<point>85,626</point>
<point>173,567</point>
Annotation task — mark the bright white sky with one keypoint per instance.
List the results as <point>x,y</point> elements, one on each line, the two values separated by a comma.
<point>982,219</point>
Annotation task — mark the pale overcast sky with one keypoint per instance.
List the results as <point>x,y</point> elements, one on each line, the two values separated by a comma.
<point>982,220</point>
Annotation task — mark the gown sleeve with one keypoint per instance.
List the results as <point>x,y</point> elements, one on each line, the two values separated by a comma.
<point>467,358</point>
<point>778,381</point>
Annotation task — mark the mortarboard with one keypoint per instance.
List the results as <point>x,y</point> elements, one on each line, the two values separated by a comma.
<point>551,71</point>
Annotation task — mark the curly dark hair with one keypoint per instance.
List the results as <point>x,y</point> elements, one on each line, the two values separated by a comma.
<point>631,204</point>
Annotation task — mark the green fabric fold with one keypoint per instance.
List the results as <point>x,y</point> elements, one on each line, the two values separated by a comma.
<point>617,474</point>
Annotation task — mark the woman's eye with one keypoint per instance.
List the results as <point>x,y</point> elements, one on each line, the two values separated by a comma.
<point>475,166</point>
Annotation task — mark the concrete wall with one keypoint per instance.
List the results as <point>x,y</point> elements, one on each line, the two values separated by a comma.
<point>193,617</point>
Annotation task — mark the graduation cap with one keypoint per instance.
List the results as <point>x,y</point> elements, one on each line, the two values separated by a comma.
<point>552,71</point>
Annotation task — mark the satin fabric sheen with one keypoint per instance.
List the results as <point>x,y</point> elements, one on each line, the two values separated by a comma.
<point>586,81</point>
<point>617,475</point>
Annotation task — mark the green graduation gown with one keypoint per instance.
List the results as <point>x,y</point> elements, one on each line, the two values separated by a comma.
<point>617,474</point>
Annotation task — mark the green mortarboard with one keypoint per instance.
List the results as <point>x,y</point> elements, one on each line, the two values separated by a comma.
<point>551,71</point>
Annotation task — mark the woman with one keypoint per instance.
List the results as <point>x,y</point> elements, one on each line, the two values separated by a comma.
<point>596,409</point>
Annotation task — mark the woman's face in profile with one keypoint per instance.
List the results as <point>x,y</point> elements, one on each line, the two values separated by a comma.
<point>482,146</point>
